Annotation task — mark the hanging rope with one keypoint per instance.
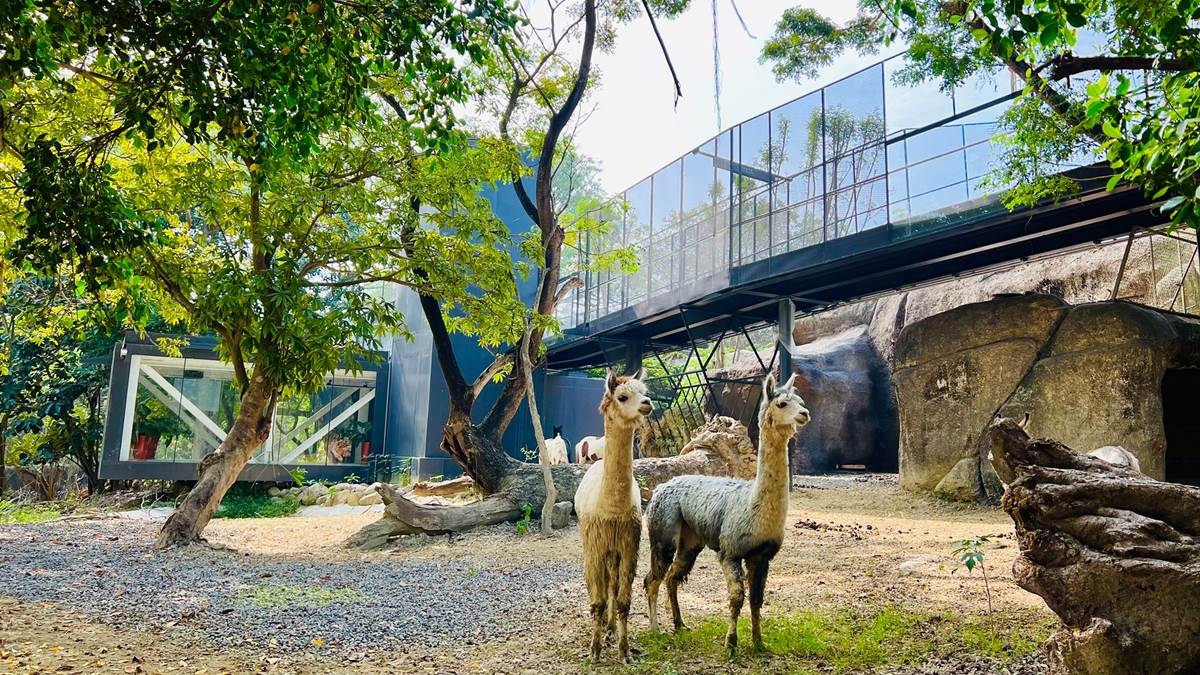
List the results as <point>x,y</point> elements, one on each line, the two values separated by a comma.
<point>716,66</point>
<point>742,21</point>
<point>716,48</point>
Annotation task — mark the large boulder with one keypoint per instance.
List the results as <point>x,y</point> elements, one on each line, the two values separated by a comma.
<point>848,388</point>
<point>953,372</point>
<point>845,384</point>
<point>1091,375</point>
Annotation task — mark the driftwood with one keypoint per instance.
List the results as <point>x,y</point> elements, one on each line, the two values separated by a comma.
<point>1114,554</point>
<point>445,488</point>
<point>721,447</point>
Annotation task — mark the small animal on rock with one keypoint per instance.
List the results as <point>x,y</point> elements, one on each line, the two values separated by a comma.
<point>556,447</point>
<point>589,449</point>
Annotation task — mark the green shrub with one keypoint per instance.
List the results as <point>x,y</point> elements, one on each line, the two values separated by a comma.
<point>250,500</point>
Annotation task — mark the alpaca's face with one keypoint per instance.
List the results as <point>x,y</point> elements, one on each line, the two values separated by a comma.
<point>626,398</point>
<point>782,407</point>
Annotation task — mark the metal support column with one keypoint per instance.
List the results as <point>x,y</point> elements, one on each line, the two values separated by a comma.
<point>787,324</point>
<point>635,350</point>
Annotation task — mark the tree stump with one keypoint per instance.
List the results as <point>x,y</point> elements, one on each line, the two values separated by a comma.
<point>1114,554</point>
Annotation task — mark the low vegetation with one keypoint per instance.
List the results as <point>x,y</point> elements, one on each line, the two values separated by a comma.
<point>250,500</point>
<point>14,512</point>
<point>820,641</point>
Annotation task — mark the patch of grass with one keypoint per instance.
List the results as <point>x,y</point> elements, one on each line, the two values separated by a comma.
<point>1011,637</point>
<point>13,513</point>
<point>282,595</point>
<point>841,642</point>
<point>247,500</point>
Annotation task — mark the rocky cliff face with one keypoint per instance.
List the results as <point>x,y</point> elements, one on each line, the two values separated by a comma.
<point>1089,374</point>
<point>968,365</point>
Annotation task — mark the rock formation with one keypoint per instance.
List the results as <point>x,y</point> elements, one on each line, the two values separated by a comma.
<point>847,359</point>
<point>1091,375</point>
<point>1115,554</point>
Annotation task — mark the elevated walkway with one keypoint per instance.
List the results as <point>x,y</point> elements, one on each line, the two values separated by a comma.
<point>859,188</point>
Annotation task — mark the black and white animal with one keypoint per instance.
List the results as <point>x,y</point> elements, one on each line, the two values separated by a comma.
<point>743,521</point>
<point>556,447</point>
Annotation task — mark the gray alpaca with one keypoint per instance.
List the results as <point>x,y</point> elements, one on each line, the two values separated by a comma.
<point>739,519</point>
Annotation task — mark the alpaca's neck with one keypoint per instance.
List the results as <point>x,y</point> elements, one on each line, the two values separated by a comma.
<point>618,459</point>
<point>772,483</point>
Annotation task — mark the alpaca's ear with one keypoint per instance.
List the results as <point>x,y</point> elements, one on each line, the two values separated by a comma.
<point>791,383</point>
<point>612,380</point>
<point>640,374</point>
<point>769,385</point>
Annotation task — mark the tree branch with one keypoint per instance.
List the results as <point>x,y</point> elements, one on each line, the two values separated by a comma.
<point>663,46</point>
<point>1067,65</point>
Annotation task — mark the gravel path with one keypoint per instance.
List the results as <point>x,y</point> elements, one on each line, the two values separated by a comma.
<point>285,604</point>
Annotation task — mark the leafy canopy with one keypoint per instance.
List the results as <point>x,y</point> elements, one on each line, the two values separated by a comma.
<point>257,170</point>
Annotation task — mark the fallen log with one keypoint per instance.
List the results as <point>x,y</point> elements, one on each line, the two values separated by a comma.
<point>1114,554</point>
<point>721,447</point>
<point>445,488</point>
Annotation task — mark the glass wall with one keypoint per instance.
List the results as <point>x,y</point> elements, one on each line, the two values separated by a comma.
<point>179,410</point>
<point>868,151</point>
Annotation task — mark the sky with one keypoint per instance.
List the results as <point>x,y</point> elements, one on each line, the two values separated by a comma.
<point>635,129</point>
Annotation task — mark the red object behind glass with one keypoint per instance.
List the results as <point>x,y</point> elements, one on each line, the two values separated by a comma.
<point>145,447</point>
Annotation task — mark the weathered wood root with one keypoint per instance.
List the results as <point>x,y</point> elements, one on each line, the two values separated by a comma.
<point>721,447</point>
<point>404,516</point>
<point>445,488</point>
<point>1115,554</point>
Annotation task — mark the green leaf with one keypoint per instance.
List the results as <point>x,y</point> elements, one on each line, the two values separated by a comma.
<point>1110,130</point>
<point>1172,203</point>
<point>1048,35</point>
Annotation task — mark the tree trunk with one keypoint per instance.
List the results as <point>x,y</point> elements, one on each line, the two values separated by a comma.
<point>1115,554</point>
<point>220,468</point>
<point>721,447</point>
<point>543,457</point>
<point>3,453</point>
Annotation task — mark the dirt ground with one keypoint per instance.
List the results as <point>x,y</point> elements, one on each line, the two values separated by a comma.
<point>859,547</point>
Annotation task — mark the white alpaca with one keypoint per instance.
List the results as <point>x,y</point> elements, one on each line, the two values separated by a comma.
<point>610,512</point>
<point>739,519</point>
<point>1115,454</point>
<point>590,449</point>
<point>556,448</point>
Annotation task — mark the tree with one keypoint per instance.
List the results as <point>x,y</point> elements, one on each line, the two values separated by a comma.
<point>256,170</point>
<point>55,350</point>
<point>1134,99</point>
<point>537,104</point>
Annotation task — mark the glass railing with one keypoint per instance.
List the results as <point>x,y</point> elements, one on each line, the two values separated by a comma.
<point>865,152</point>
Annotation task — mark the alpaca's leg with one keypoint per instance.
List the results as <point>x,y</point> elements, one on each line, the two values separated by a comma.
<point>756,573</point>
<point>595,573</point>
<point>737,594</point>
<point>628,569</point>
<point>610,619</point>
<point>662,552</point>
<point>685,557</point>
